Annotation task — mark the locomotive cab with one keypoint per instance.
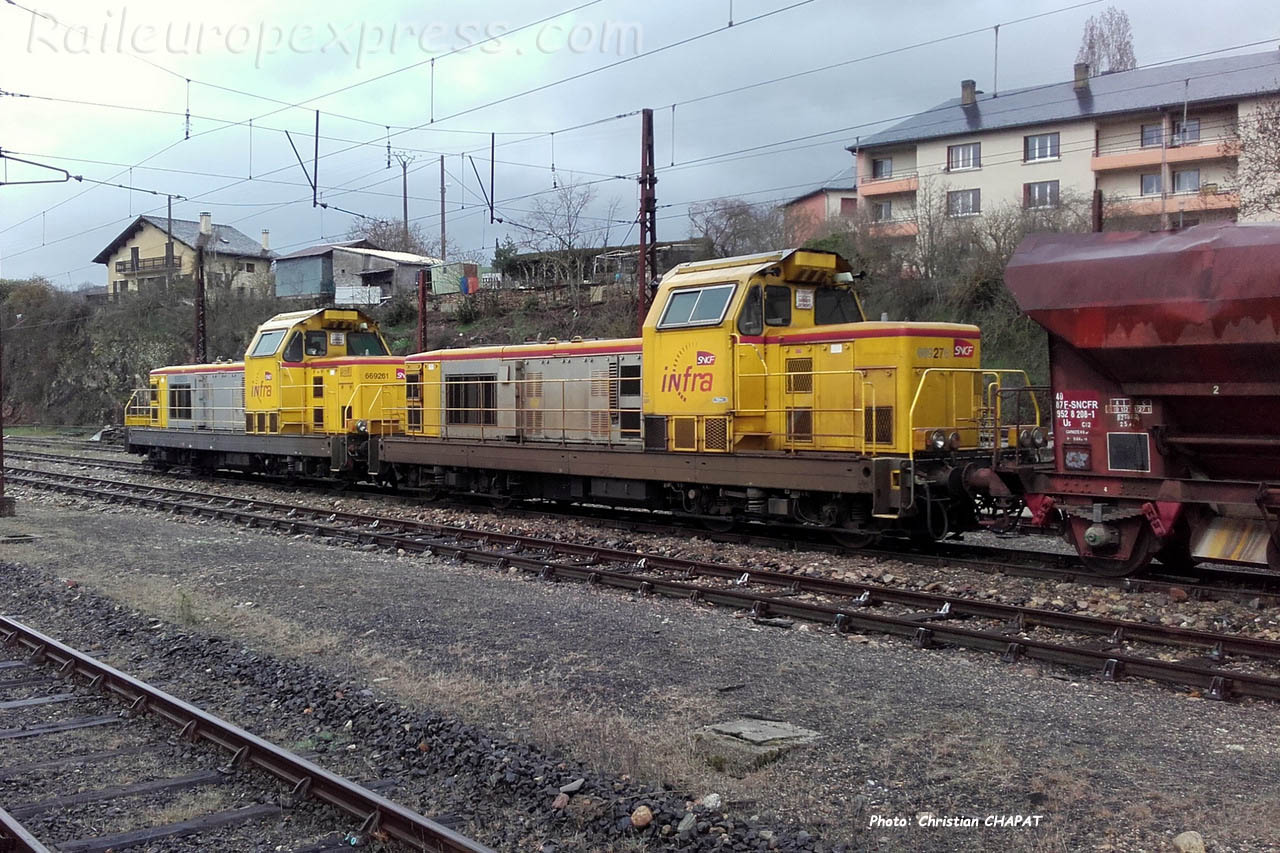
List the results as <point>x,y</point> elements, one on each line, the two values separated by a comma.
<point>326,371</point>
<point>773,352</point>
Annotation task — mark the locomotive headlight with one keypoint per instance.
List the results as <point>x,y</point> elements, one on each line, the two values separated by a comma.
<point>1038,438</point>
<point>938,439</point>
<point>1024,438</point>
<point>362,426</point>
<point>953,441</point>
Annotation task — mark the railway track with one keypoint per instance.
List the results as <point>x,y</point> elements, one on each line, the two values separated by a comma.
<point>1212,583</point>
<point>63,693</point>
<point>1113,647</point>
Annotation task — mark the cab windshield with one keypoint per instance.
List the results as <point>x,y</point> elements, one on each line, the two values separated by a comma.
<point>268,343</point>
<point>365,343</point>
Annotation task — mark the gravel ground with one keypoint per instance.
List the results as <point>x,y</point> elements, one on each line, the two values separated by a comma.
<point>564,682</point>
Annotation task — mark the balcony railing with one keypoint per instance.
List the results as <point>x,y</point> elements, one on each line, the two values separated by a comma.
<point>898,182</point>
<point>149,265</point>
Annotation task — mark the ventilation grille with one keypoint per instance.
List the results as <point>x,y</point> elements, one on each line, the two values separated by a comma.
<point>317,418</point>
<point>800,425</point>
<point>684,433</point>
<point>599,424</point>
<point>655,432</point>
<point>274,422</point>
<point>248,422</point>
<point>878,424</point>
<point>799,376</point>
<point>533,386</point>
<point>531,420</point>
<point>599,383</point>
<point>715,433</point>
<point>415,420</point>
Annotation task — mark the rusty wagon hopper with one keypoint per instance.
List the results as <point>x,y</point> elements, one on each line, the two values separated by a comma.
<point>1165,366</point>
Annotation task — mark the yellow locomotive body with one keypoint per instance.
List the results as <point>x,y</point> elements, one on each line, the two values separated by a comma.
<point>326,371</point>
<point>771,353</point>
<point>314,386</point>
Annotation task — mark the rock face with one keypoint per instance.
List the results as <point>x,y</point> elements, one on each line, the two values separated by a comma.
<point>1189,842</point>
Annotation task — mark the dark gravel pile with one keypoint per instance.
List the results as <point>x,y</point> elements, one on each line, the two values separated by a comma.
<point>509,795</point>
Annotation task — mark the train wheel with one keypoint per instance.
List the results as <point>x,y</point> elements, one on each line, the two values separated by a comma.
<point>1139,558</point>
<point>717,523</point>
<point>854,540</point>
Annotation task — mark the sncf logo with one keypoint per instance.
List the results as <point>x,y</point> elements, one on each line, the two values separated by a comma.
<point>706,357</point>
<point>399,373</point>
<point>962,348</point>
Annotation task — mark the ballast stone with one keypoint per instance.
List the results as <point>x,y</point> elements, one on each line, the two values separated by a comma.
<point>1189,842</point>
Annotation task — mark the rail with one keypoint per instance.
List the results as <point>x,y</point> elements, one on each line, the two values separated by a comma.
<point>378,813</point>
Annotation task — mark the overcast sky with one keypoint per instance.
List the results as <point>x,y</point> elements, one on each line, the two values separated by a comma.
<point>140,54</point>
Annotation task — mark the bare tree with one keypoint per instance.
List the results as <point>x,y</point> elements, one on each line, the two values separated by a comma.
<point>734,226</point>
<point>611,216</point>
<point>557,227</point>
<point>1107,43</point>
<point>389,234</point>
<point>1256,176</point>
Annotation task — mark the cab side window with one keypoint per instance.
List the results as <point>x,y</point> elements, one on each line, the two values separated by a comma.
<point>777,305</point>
<point>751,318</point>
<point>293,350</point>
<point>317,343</point>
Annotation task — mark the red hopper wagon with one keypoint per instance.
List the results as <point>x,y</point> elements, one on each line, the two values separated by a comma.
<point>1164,356</point>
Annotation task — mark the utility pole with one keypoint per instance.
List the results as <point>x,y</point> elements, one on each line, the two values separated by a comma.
<point>206,234</point>
<point>405,160</point>
<point>168,249</point>
<point>424,284</point>
<point>647,261</point>
<point>442,249</point>
<point>6,503</point>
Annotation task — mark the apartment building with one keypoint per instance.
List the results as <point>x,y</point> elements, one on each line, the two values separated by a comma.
<point>1149,147</point>
<point>804,215</point>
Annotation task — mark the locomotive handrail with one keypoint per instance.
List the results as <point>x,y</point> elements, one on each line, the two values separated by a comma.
<point>998,373</point>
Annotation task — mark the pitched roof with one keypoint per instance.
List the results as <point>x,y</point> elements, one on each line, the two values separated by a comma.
<point>226,240</point>
<point>1142,89</point>
<point>326,248</point>
<point>812,193</point>
<point>398,257</point>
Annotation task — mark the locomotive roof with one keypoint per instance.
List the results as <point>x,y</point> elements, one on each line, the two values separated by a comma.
<point>292,318</point>
<point>745,266</point>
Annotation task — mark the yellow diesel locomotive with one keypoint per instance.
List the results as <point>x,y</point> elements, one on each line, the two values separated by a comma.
<point>757,392</point>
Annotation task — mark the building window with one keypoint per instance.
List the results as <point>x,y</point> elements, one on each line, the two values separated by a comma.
<point>1040,146</point>
<point>248,267</point>
<point>848,206</point>
<point>881,211</point>
<point>1151,184</point>
<point>1186,181</point>
<point>964,203</point>
<point>1185,132</point>
<point>1152,135</point>
<point>1040,194</point>
<point>882,167</point>
<point>967,156</point>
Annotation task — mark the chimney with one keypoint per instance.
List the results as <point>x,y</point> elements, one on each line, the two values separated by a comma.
<point>968,93</point>
<point>206,223</point>
<point>266,240</point>
<point>1082,75</point>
